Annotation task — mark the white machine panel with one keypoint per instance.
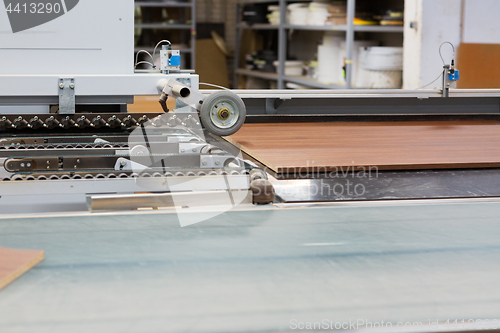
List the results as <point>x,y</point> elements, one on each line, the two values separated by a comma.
<point>83,37</point>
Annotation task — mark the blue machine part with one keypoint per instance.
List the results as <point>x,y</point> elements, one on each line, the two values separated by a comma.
<point>455,76</point>
<point>175,60</point>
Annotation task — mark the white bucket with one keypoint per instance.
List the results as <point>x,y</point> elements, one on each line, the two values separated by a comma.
<point>329,64</point>
<point>380,67</point>
<point>329,67</point>
<point>381,58</point>
<point>318,17</point>
<point>355,58</point>
<point>274,16</point>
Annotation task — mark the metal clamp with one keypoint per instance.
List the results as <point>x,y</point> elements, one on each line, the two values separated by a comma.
<point>66,96</point>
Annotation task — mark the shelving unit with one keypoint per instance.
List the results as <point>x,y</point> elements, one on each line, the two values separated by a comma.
<point>187,44</point>
<point>284,28</point>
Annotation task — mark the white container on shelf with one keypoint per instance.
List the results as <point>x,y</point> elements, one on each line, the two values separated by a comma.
<point>355,59</point>
<point>382,58</point>
<point>329,68</point>
<point>298,13</point>
<point>274,16</point>
<point>318,14</point>
<point>380,67</point>
<point>292,68</point>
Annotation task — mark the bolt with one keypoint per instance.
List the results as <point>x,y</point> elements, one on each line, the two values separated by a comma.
<point>182,150</point>
<point>22,165</point>
<point>72,85</point>
<point>77,161</point>
<point>204,163</point>
<point>48,162</point>
<point>217,162</point>
<point>194,150</point>
<point>123,163</point>
<point>48,167</point>
<point>61,85</point>
<point>28,165</point>
<point>4,118</point>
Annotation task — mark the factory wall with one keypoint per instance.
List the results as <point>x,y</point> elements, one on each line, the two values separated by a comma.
<point>481,22</point>
<point>436,21</point>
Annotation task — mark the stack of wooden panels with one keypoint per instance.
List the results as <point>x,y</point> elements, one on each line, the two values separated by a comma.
<point>306,147</point>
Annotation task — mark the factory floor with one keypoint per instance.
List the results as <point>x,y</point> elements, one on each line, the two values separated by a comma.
<point>268,269</point>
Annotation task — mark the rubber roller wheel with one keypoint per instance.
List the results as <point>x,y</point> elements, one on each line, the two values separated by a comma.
<point>223,113</point>
<point>263,191</point>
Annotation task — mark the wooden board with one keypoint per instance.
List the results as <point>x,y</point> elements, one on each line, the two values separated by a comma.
<point>479,66</point>
<point>145,104</point>
<point>14,263</point>
<point>306,147</point>
<point>211,64</point>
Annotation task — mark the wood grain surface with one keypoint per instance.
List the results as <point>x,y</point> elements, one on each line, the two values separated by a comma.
<point>145,104</point>
<point>478,65</point>
<point>14,263</point>
<point>305,147</point>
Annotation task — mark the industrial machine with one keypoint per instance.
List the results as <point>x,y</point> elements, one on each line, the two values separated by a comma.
<point>68,143</point>
<point>66,79</point>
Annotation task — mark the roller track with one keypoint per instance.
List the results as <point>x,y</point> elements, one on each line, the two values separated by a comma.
<point>94,120</point>
<point>37,156</point>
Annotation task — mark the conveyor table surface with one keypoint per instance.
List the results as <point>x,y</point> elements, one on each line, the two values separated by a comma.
<point>255,270</point>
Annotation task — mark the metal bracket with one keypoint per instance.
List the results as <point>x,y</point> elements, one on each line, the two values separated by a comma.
<point>272,105</point>
<point>217,161</point>
<point>66,96</point>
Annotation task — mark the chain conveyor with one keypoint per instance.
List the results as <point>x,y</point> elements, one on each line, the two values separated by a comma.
<point>168,151</point>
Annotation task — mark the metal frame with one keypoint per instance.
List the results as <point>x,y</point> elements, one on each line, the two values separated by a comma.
<point>71,195</point>
<point>18,91</point>
<point>367,102</point>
